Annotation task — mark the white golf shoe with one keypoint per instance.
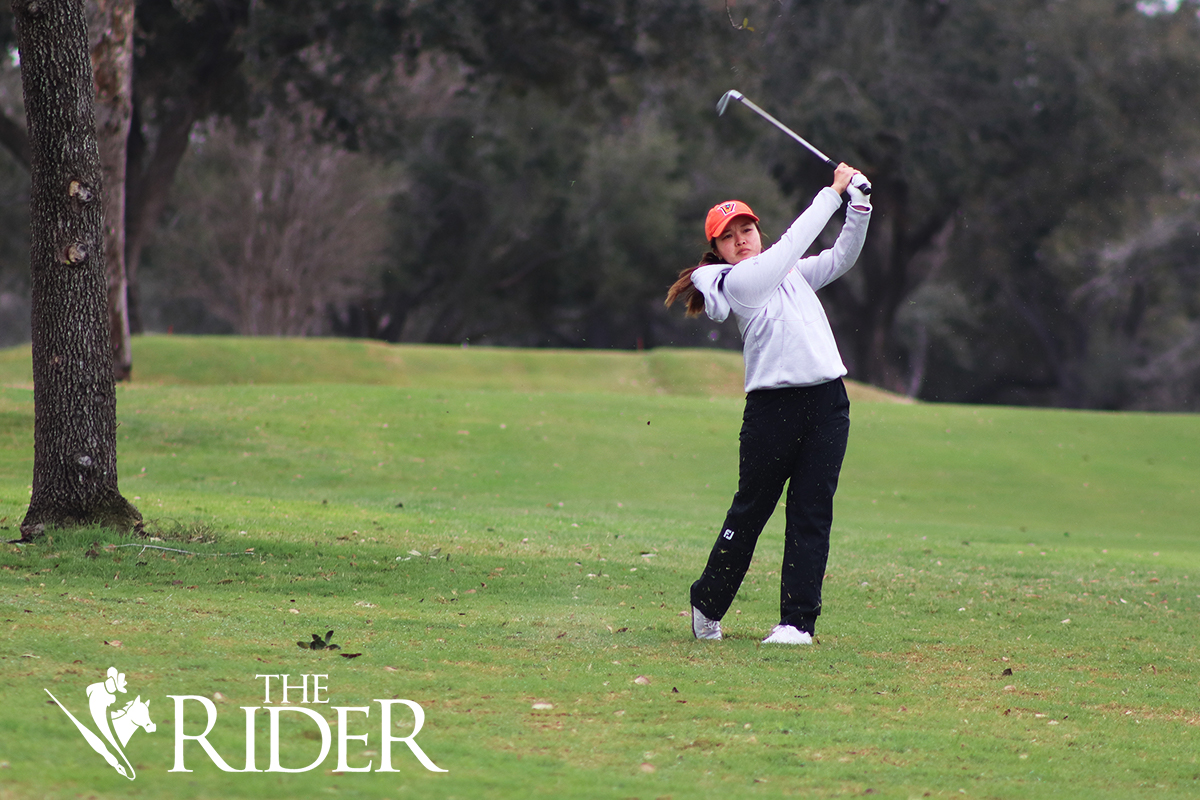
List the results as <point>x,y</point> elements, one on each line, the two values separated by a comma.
<point>787,634</point>
<point>703,627</point>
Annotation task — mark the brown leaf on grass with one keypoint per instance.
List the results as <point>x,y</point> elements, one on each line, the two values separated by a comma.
<point>349,655</point>
<point>390,669</point>
<point>642,680</point>
<point>1007,671</point>
<point>114,643</point>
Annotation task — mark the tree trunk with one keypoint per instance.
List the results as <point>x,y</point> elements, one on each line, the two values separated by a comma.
<point>111,42</point>
<point>148,183</point>
<point>897,257</point>
<point>882,269</point>
<point>74,437</point>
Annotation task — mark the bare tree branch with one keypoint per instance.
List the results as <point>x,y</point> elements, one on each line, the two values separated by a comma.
<point>284,234</point>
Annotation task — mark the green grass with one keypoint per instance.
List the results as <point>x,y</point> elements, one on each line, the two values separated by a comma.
<point>567,510</point>
<point>230,360</point>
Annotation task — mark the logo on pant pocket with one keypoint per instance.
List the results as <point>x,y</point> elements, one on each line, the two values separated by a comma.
<point>728,534</point>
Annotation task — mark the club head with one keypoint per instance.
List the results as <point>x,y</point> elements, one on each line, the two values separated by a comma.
<point>732,94</point>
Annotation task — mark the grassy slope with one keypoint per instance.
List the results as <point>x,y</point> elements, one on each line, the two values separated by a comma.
<point>574,523</point>
<point>232,360</point>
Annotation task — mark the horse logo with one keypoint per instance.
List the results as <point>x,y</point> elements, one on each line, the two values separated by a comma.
<point>133,715</point>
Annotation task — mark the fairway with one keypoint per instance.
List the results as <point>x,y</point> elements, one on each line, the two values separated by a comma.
<point>507,537</point>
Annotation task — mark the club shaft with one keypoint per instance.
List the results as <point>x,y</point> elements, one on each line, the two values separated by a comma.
<point>786,130</point>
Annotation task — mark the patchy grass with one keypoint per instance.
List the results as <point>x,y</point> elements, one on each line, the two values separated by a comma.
<point>1010,610</point>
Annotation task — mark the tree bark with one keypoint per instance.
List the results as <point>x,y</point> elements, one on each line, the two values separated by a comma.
<point>74,438</point>
<point>111,42</point>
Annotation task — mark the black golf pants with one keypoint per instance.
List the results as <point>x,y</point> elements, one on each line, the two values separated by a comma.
<point>797,436</point>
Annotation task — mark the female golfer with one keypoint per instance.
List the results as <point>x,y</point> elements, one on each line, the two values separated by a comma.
<point>797,415</point>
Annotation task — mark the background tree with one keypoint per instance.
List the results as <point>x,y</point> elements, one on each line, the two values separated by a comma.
<point>1111,92</point>
<point>75,470</point>
<point>272,228</point>
<point>543,173</point>
<point>111,40</point>
<point>193,60</point>
<point>919,95</point>
<point>14,226</point>
<point>985,126</point>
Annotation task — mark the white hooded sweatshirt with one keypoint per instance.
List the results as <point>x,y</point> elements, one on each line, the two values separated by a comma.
<point>786,336</point>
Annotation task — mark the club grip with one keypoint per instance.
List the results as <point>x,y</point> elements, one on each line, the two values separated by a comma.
<point>834,164</point>
<point>864,189</point>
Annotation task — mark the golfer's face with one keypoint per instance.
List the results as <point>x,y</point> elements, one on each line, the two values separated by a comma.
<point>739,241</point>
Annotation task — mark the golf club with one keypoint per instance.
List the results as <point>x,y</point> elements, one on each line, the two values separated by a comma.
<point>733,94</point>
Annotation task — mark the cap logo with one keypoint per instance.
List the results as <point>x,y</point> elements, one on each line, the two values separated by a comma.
<point>728,208</point>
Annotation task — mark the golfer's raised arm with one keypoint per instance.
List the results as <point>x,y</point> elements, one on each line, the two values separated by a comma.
<point>831,264</point>
<point>751,282</point>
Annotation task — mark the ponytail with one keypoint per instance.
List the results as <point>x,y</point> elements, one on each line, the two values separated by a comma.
<point>684,289</point>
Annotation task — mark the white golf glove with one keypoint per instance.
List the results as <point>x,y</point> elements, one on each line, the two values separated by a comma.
<point>859,190</point>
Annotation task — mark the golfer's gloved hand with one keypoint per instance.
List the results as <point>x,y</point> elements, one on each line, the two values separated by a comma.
<point>859,190</point>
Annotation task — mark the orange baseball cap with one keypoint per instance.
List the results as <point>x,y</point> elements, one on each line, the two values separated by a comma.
<point>721,214</point>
